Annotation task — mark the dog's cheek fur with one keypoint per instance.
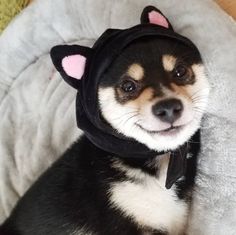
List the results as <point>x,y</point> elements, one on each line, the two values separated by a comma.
<point>122,119</point>
<point>199,91</point>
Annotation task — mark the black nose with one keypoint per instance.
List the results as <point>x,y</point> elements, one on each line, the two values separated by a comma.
<point>168,110</point>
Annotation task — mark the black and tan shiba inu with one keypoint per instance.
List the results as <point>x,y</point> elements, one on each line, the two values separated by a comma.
<point>141,96</point>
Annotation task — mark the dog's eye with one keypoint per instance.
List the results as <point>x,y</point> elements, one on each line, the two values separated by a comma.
<point>180,72</point>
<point>128,86</point>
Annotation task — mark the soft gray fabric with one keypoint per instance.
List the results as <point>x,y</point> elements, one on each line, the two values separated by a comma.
<point>37,108</point>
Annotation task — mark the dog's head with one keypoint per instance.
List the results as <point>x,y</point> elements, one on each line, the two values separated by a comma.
<point>155,91</point>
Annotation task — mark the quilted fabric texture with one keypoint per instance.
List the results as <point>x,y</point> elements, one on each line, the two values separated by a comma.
<point>37,108</point>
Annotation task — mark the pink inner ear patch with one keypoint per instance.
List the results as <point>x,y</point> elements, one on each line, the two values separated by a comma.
<point>74,65</point>
<point>158,19</point>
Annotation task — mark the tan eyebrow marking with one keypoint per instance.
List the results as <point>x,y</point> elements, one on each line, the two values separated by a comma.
<point>136,71</point>
<point>168,62</point>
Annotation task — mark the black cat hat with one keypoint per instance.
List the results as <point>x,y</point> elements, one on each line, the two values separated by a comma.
<point>83,67</point>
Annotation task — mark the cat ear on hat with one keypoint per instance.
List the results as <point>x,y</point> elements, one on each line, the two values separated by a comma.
<point>70,61</point>
<point>151,15</point>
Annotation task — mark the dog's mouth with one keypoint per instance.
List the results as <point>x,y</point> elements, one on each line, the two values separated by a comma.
<point>172,130</point>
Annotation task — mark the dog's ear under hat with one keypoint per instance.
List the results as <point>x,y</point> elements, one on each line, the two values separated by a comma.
<point>151,15</point>
<point>70,61</point>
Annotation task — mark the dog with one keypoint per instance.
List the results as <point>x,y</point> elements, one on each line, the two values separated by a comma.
<point>141,97</point>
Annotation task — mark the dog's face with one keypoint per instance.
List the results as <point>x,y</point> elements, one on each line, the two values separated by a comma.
<point>155,92</point>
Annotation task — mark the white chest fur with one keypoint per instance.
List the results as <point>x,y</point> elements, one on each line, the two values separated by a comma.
<point>148,202</point>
